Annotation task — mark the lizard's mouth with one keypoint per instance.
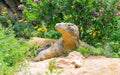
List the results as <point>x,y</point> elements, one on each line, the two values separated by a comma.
<point>61,30</point>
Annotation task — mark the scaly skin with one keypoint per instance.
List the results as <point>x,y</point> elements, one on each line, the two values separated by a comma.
<point>41,41</point>
<point>69,41</point>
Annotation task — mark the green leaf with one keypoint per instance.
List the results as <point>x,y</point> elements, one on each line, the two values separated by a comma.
<point>90,2</point>
<point>34,4</point>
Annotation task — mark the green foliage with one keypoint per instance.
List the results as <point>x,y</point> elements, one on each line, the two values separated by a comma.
<point>96,18</point>
<point>115,35</point>
<point>32,52</point>
<point>109,49</point>
<point>84,51</point>
<point>112,49</point>
<point>7,17</point>
<point>50,34</point>
<point>12,52</point>
<point>21,27</point>
<point>44,32</point>
<point>52,68</point>
<point>87,52</point>
<point>24,30</point>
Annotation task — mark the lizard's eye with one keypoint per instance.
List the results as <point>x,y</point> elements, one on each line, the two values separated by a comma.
<point>69,24</point>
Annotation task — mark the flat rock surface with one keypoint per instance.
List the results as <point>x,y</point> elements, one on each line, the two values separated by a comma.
<point>74,64</point>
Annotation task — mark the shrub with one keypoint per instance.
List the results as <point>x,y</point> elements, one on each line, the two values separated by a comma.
<point>109,49</point>
<point>44,32</point>
<point>20,25</point>
<point>23,29</point>
<point>94,51</point>
<point>112,49</point>
<point>115,35</point>
<point>12,52</point>
<point>96,18</point>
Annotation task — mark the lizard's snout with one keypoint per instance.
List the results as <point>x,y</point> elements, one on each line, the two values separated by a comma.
<point>57,25</point>
<point>60,25</point>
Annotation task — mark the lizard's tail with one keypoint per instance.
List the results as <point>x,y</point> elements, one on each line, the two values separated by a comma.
<point>85,44</point>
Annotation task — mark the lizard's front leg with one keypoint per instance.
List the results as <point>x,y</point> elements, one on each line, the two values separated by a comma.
<point>44,54</point>
<point>43,48</point>
<point>47,53</point>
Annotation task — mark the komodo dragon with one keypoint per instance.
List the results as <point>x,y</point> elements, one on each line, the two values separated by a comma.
<point>68,41</point>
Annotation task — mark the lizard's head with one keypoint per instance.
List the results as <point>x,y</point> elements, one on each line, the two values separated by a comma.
<point>67,28</point>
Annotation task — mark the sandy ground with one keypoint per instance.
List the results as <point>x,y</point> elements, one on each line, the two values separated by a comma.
<point>74,64</point>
